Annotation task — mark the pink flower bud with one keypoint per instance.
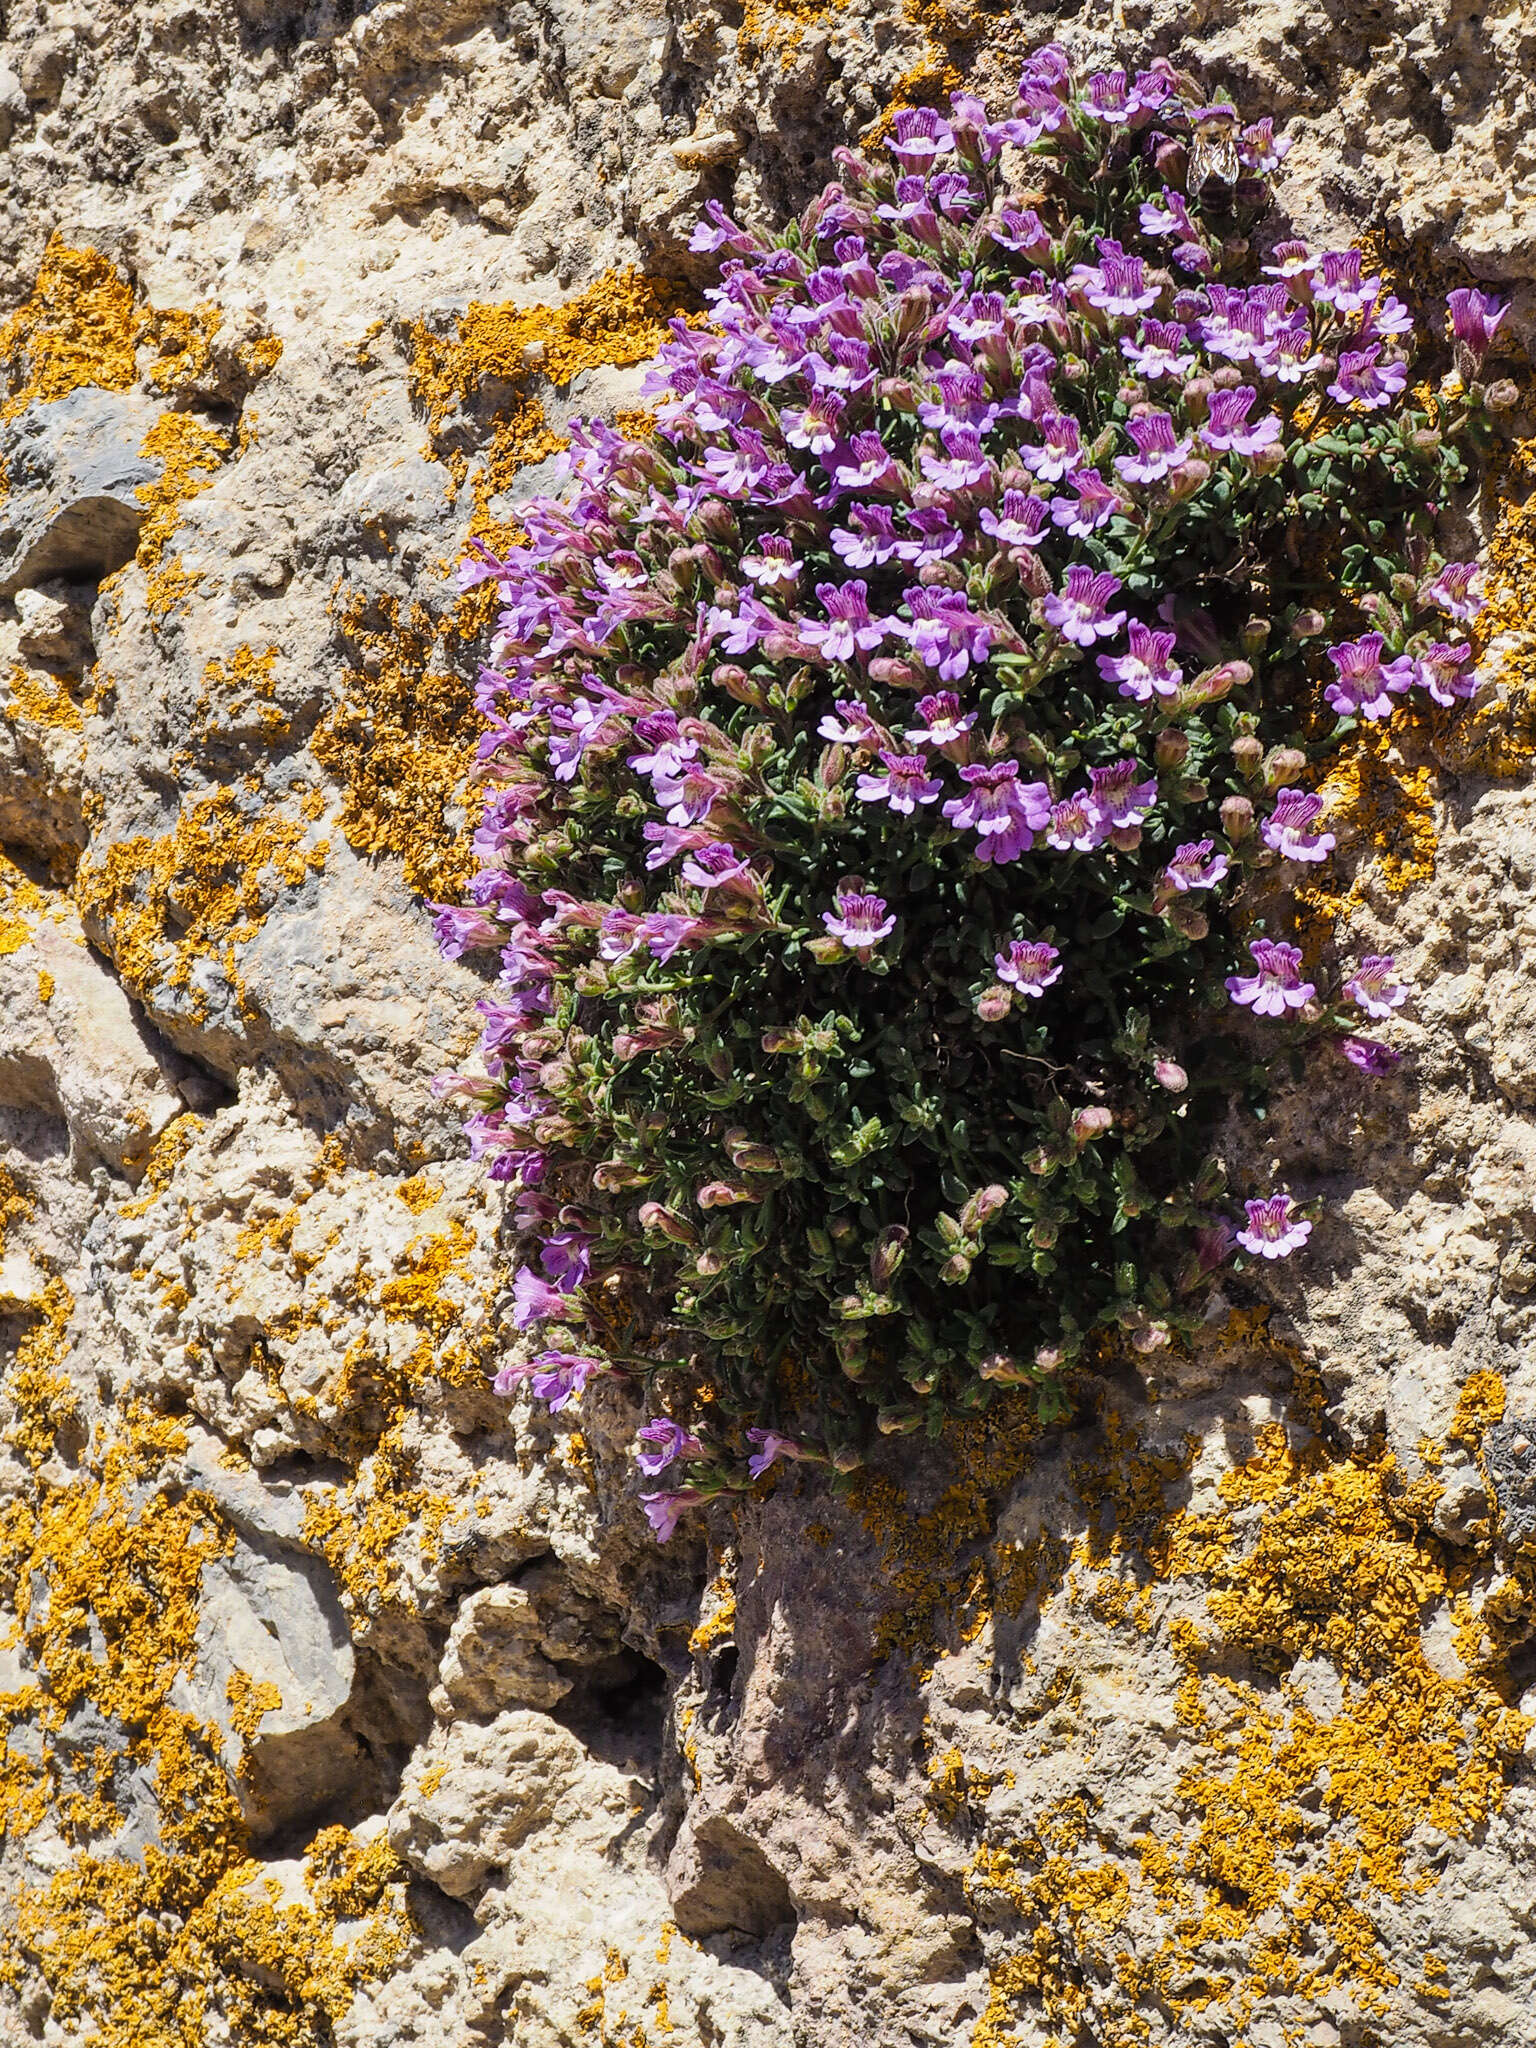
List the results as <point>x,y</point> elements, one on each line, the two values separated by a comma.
<point>994,1003</point>
<point>1091,1123</point>
<point>723,1194</point>
<point>1170,1075</point>
<point>1236,817</point>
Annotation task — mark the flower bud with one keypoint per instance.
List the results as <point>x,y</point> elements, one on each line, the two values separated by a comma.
<point>1184,481</point>
<point>738,684</point>
<point>994,1003</point>
<point>1283,765</point>
<point>1126,838</point>
<point>1003,1370</point>
<point>941,575</point>
<point>1425,441</point>
<point>982,1206</point>
<point>897,674</point>
<point>1170,1075</point>
<point>954,1270</point>
<point>1227,378</point>
<point>1172,160</point>
<point>1268,461</point>
<point>1255,633</point>
<point>1235,818</point>
<point>1504,396</point>
<point>724,1194</point>
<point>1152,1338</point>
<point>898,1421</point>
<point>889,1251</point>
<point>900,393</point>
<point>1172,748</point>
<point>1247,752</point>
<point>1049,1358</point>
<point>1307,625</point>
<point>1197,396</point>
<point>1091,1123</point>
<point>1185,918</point>
<point>1044,1234</point>
<point>846,1459</point>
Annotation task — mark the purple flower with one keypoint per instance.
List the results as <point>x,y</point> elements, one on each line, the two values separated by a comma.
<point>963,463</point>
<point>566,1256</point>
<point>1162,350</point>
<point>1119,286</point>
<point>1076,826</point>
<point>1004,813</point>
<point>1338,282</point>
<point>1117,797</point>
<point>458,931</point>
<point>814,426</point>
<point>937,538</point>
<point>962,402</point>
<point>663,1510</point>
<point>870,465</point>
<point>1227,426</point>
<point>1029,965</point>
<point>1361,382</point>
<point>1288,354</point>
<point>1278,986</point>
<point>1019,524</point>
<point>1078,613</point>
<point>1475,319</point>
<point>1024,232</point>
<point>1442,672</point>
<point>669,751</point>
<point>1292,260</point>
<point>1451,591</point>
<point>715,866</point>
<point>1370,1055</point>
<point>1148,669</point>
<point>1260,148</point>
<point>1366,684</point>
<point>1096,501</point>
<point>772,562</point>
<point>945,633</point>
<point>770,1448</point>
<point>921,137</point>
<point>944,724</point>
<point>559,1376</point>
<point>849,724</point>
<point>1060,451</point>
<point>859,923</point>
<point>668,841</point>
<point>665,933</point>
<point>1291,827</point>
<point>905,784</point>
<point>849,626</point>
<point>535,1301</point>
<point>1274,1229</point>
<point>1372,987</point>
<point>1193,868</point>
<point>868,539</point>
<point>721,233</point>
<point>1167,216</point>
<point>1157,451</point>
<point>690,795</point>
<point>665,1441</point>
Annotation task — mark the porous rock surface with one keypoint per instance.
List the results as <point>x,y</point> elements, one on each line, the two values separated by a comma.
<point>343,1702</point>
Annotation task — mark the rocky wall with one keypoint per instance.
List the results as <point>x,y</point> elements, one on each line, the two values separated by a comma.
<point>345,1703</point>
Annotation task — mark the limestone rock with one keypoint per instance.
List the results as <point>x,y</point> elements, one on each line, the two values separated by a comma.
<point>74,467</point>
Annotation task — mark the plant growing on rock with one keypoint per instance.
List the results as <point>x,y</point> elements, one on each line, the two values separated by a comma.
<point>892,772</point>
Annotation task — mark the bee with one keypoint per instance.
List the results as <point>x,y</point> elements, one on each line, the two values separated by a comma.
<point>1213,150</point>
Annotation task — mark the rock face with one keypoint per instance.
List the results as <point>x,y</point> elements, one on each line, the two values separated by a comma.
<point>343,1702</point>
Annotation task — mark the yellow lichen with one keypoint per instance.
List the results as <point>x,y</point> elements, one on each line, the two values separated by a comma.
<point>160,905</point>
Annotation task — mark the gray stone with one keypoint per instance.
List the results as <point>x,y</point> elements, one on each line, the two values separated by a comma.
<point>73,467</point>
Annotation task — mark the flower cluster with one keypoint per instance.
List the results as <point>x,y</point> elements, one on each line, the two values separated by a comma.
<point>887,773</point>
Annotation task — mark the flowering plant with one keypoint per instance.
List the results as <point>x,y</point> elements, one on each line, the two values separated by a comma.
<point>884,759</point>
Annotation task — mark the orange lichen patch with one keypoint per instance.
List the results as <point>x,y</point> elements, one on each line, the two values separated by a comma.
<point>159,905</point>
<point>39,698</point>
<point>162,1160</point>
<point>1314,1559</point>
<point>250,1701</point>
<point>401,737</point>
<point>15,1204</point>
<point>191,454</point>
<point>1500,736</point>
<point>182,341</point>
<point>417,1293</point>
<point>360,1528</point>
<point>39,1396</point>
<point>939,1581</point>
<point>618,320</point>
<point>79,326</point>
<point>418,1194</point>
<point>1480,1405</point>
<point>777,28</point>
